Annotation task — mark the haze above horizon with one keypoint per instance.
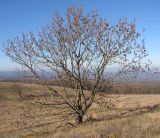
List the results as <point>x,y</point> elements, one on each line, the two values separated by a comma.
<point>29,15</point>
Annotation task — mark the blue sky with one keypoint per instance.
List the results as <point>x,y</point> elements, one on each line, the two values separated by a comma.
<point>17,16</point>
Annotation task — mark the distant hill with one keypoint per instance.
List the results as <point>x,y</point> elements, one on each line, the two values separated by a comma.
<point>8,75</point>
<point>13,75</point>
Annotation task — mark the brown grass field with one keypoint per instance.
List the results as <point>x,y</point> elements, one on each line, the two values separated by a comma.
<point>131,115</point>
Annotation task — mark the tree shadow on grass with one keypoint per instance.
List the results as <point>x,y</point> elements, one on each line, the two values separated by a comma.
<point>127,113</point>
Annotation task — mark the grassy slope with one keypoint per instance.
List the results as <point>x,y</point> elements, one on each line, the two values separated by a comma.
<point>134,116</point>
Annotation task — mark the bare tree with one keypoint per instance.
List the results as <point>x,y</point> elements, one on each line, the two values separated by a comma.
<point>79,48</point>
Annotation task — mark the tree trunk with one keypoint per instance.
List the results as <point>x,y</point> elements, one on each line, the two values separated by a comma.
<point>79,118</point>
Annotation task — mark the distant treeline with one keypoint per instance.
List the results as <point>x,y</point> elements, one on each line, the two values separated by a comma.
<point>115,88</point>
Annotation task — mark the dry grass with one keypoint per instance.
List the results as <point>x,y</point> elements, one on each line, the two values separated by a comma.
<point>132,116</point>
<point>137,88</point>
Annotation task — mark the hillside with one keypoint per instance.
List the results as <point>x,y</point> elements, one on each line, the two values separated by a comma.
<point>130,115</point>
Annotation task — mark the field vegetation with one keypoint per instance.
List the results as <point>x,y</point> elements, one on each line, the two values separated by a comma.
<point>24,113</point>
